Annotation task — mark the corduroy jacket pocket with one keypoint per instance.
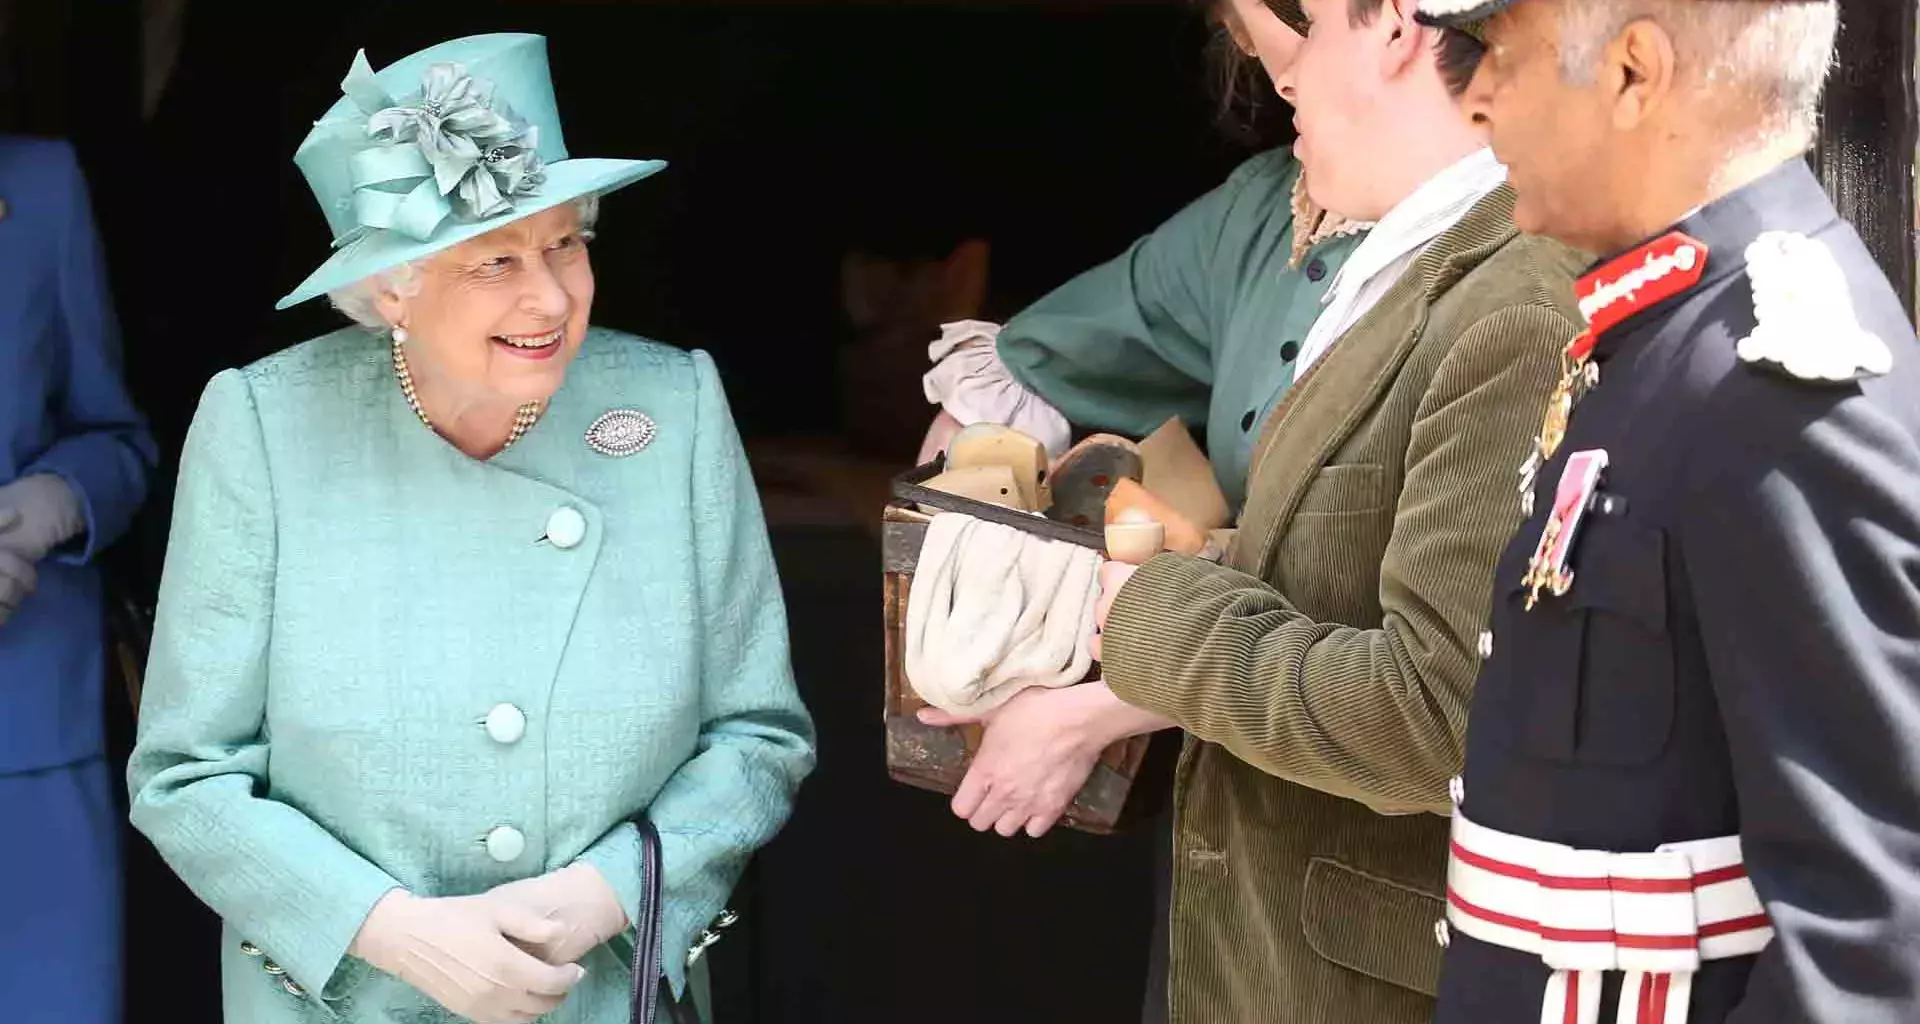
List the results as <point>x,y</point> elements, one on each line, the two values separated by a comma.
<point>1345,488</point>
<point>1382,929</point>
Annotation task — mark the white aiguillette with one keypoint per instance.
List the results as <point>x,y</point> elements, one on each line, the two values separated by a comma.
<point>1804,322</point>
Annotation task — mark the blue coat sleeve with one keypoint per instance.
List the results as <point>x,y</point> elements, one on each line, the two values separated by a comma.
<point>200,765</point>
<point>756,738</point>
<point>1802,557</point>
<point>105,452</point>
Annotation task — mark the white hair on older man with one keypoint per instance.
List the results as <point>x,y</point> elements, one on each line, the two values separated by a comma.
<point>1776,54</point>
<point>358,300</point>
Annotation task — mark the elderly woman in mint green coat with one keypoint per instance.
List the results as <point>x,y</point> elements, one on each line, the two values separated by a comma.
<point>451,609</point>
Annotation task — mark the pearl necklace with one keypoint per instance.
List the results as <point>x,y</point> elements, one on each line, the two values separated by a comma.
<point>523,419</point>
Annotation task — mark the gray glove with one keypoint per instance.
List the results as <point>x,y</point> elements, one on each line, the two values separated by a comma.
<point>37,514</point>
<point>17,579</point>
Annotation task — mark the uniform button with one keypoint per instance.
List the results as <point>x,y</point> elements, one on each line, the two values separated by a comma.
<point>505,844</point>
<point>249,949</point>
<point>1457,790</point>
<point>1290,351</point>
<point>272,968</point>
<point>506,723</point>
<point>1316,269</point>
<point>293,988</point>
<point>1441,933</point>
<point>1246,422</point>
<point>566,528</point>
<point>1486,644</point>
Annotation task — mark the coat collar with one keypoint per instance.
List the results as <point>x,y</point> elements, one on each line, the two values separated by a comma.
<point>1706,247</point>
<point>1342,390</point>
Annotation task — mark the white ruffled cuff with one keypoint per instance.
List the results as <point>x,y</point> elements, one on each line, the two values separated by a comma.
<point>970,382</point>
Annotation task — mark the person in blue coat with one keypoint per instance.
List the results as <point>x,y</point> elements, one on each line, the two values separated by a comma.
<point>464,602</point>
<point>75,458</point>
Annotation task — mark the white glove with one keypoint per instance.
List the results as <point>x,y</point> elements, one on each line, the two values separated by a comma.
<point>18,578</point>
<point>577,898</point>
<point>460,952</point>
<point>37,514</point>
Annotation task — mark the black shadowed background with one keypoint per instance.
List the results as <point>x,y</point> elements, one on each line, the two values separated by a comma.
<point>800,136</point>
<point>844,175</point>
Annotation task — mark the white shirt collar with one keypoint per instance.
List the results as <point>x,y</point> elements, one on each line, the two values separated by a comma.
<point>1424,215</point>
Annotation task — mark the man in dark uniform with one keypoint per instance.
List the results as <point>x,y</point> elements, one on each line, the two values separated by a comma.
<point>1692,785</point>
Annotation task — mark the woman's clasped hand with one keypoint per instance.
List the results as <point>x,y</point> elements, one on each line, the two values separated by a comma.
<point>506,956</point>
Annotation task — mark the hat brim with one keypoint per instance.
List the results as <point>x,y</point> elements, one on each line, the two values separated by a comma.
<point>1467,16</point>
<point>566,180</point>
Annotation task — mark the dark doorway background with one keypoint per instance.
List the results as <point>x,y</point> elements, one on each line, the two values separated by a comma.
<point>797,132</point>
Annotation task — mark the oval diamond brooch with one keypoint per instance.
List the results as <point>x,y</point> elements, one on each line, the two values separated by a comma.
<point>621,433</point>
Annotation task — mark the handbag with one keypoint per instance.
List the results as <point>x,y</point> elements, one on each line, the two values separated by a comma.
<point>653,999</point>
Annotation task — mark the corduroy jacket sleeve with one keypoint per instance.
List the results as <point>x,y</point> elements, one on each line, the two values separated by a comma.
<point>1374,714</point>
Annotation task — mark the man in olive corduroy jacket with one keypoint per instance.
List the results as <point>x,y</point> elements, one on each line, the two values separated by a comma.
<point>1323,673</point>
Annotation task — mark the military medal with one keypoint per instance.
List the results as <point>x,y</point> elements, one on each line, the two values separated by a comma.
<point>1653,273</point>
<point>1548,569</point>
<point>1577,375</point>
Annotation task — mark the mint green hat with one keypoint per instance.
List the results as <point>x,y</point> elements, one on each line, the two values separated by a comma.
<point>437,147</point>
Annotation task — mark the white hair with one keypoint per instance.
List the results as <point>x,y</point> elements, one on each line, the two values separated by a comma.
<point>1775,54</point>
<point>359,301</point>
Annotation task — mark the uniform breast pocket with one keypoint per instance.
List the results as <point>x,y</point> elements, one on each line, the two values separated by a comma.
<point>1597,663</point>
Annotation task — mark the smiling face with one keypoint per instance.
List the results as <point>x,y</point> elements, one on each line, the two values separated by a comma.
<point>500,316</point>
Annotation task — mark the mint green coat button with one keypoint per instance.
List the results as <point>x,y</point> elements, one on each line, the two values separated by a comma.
<point>505,844</point>
<point>506,724</point>
<point>566,528</point>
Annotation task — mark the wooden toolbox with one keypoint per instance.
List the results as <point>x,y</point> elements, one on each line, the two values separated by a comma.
<point>937,758</point>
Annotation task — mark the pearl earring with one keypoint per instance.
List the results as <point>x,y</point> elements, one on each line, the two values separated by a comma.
<point>399,335</point>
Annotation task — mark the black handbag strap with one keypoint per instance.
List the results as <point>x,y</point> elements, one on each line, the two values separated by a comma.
<point>651,993</point>
<point>648,976</point>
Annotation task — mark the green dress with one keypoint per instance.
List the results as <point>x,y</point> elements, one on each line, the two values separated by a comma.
<point>1201,319</point>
